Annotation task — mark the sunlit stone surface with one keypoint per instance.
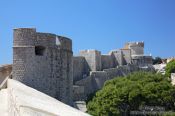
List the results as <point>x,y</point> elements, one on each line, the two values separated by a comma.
<point>20,100</point>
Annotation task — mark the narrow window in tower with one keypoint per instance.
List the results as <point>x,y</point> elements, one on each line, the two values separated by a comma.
<point>39,50</point>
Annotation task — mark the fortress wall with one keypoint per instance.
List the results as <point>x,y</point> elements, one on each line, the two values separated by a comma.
<point>98,79</point>
<point>44,61</point>
<point>137,48</point>
<point>148,60</point>
<point>42,64</point>
<point>80,68</point>
<point>117,57</point>
<point>120,71</point>
<point>32,69</point>
<point>142,60</point>
<point>126,56</point>
<point>78,93</point>
<point>93,58</point>
<point>126,69</point>
<point>87,83</point>
<point>107,61</point>
<point>40,76</point>
<point>112,72</point>
<point>90,84</point>
<point>133,67</point>
<point>64,70</point>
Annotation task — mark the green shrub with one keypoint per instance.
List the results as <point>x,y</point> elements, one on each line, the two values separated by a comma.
<point>170,68</point>
<point>124,94</point>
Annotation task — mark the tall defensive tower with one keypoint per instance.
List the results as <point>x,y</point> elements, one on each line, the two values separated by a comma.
<point>43,61</point>
<point>137,48</point>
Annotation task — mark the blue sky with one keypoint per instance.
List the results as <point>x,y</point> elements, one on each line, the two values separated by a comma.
<point>93,24</point>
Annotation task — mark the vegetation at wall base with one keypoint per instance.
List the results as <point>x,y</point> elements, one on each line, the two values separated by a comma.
<point>124,94</point>
<point>170,68</point>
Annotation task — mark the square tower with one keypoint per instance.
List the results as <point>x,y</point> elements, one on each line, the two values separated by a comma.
<point>93,59</point>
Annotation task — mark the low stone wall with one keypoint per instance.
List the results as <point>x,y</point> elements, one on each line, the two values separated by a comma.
<point>22,100</point>
<point>5,71</point>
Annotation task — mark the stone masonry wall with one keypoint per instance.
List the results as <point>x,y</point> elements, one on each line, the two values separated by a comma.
<point>79,93</point>
<point>126,56</point>
<point>137,48</point>
<point>87,83</point>
<point>117,56</point>
<point>42,64</point>
<point>80,68</point>
<point>142,60</point>
<point>97,79</point>
<point>5,71</point>
<point>44,61</point>
<point>93,58</point>
<point>107,61</point>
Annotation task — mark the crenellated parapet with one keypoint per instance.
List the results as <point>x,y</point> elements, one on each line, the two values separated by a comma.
<point>137,48</point>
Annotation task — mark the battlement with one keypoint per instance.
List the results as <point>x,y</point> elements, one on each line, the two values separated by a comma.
<point>137,48</point>
<point>132,44</point>
<point>25,29</point>
<point>24,37</point>
<point>28,37</point>
<point>44,39</point>
<point>89,51</point>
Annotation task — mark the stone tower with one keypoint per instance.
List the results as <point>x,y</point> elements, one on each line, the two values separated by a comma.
<point>137,48</point>
<point>43,61</point>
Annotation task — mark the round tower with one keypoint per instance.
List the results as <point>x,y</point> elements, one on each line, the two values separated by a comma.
<point>43,61</point>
